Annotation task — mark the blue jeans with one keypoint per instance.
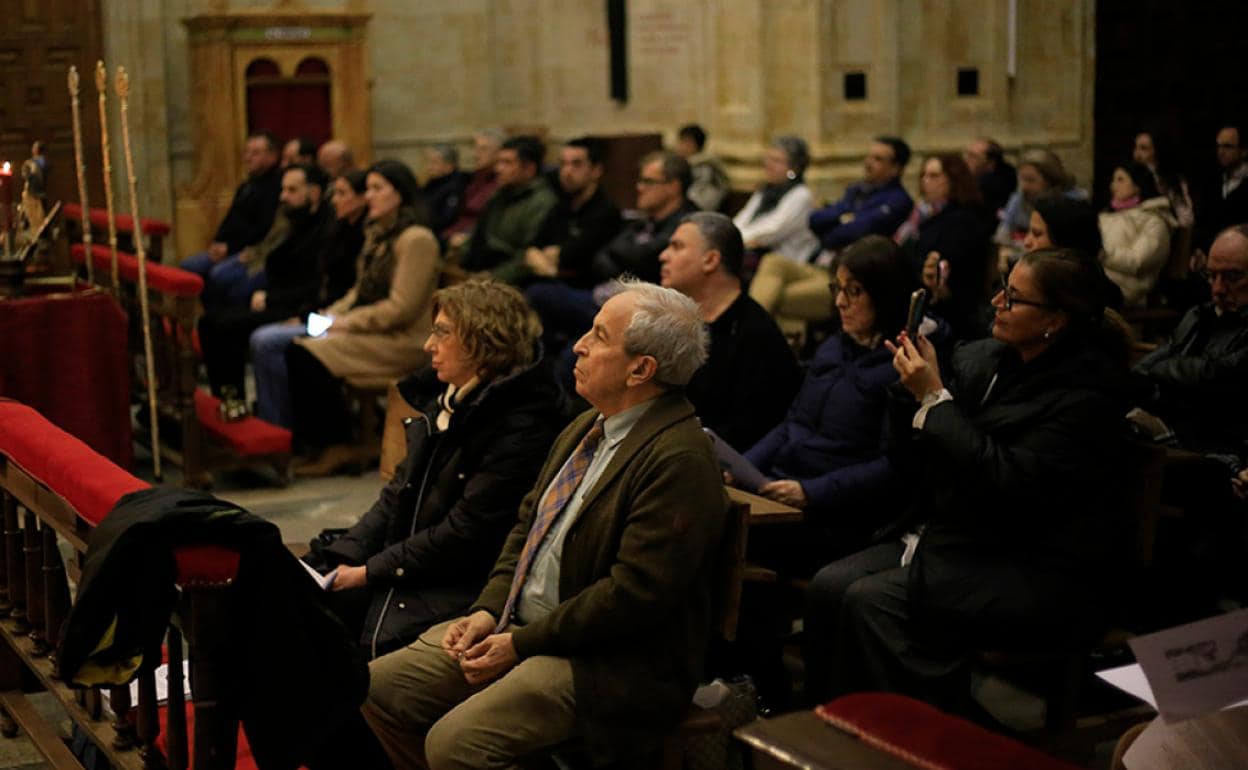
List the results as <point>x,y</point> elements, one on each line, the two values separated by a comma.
<point>268,360</point>
<point>226,283</point>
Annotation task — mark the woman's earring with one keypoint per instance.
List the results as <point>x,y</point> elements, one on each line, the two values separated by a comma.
<point>1048,334</point>
<point>791,174</point>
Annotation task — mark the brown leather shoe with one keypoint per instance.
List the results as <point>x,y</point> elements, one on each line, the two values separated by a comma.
<point>339,457</point>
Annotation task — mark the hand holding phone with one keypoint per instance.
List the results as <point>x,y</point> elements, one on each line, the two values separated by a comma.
<point>319,324</point>
<point>918,307</point>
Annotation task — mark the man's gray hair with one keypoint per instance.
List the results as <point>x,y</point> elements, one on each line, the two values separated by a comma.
<point>496,135</point>
<point>666,325</point>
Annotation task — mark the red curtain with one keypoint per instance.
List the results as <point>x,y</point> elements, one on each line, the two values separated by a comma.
<point>290,107</point>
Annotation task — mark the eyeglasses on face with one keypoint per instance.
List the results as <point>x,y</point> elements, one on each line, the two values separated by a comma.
<point>1229,277</point>
<point>1011,299</point>
<point>852,291</point>
<point>649,181</point>
<point>440,332</point>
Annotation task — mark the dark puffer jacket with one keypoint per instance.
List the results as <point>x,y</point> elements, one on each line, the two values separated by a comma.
<point>832,439</point>
<point>433,535</point>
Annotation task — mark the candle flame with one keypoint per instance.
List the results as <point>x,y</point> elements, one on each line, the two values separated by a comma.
<point>7,168</point>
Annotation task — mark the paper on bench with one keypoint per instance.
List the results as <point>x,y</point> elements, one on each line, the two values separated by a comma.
<point>744,473</point>
<point>324,581</point>
<point>1189,670</point>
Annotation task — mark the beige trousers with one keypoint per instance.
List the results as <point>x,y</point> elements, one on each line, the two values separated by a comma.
<point>792,290</point>
<point>427,716</point>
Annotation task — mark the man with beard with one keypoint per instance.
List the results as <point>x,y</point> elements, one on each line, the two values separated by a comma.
<point>289,281</point>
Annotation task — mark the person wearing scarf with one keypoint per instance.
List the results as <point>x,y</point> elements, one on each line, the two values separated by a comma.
<point>1135,232</point>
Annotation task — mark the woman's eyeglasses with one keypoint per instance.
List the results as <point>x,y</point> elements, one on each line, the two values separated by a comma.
<point>852,292</point>
<point>1012,299</point>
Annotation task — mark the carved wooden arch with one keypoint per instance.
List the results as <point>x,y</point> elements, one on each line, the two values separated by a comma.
<point>222,46</point>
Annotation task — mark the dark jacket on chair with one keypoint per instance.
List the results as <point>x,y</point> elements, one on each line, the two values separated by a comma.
<point>432,536</point>
<point>293,672</point>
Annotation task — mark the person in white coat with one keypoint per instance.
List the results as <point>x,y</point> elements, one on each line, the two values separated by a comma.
<point>774,219</point>
<point>1135,232</point>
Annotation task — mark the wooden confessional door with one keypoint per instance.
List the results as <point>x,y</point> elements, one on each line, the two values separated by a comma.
<point>39,40</point>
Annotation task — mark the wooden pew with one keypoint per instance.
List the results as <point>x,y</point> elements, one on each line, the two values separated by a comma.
<point>199,441</point>
<point>54,486</point>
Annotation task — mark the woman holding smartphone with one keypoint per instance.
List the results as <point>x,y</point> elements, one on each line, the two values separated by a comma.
<point>1014,451</point>
<point>378,327</point>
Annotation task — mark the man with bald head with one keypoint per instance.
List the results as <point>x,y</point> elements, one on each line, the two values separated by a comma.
<point>595,622</point>
<point>1199,377</point>
<point>335,158</point>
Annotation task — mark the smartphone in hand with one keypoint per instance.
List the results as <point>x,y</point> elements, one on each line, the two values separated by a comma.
<point>918,307</point>
<point>318,324</point>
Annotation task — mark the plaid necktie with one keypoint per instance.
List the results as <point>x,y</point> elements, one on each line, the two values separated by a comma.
<point>561,491</point>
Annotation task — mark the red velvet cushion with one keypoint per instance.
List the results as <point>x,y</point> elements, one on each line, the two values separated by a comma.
<point>248,436</point>
<point>244,760</point>
<point>89,482</point>
<point>927,737</point>
<point>205,564</point>
<point>124,222</point>
<point>162,278</point>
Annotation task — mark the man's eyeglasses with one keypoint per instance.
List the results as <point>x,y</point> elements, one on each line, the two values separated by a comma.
<point>649,181</point>
<point>1229,277</point>
<point>1012,299</point>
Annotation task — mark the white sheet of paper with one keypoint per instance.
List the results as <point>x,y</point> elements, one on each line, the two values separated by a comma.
<point>324,581</point>
<point>1196,668</point>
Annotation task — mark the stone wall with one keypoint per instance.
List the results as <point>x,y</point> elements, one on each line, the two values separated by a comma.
<point>746,69</point>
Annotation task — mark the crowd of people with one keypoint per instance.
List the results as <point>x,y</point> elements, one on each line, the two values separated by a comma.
<point>548,543</point>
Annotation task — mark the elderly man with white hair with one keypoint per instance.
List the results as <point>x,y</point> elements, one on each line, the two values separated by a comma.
<point>595,622</point>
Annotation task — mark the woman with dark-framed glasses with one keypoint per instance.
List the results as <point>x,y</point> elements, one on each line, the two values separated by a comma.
<point>1012,453</point>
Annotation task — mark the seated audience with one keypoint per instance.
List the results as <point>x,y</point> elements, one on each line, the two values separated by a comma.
<point>481,187</point>
<point>1223,200</point>
<point>827,455</point>
<point>1058,222</point>
<point>1197,378</point>
<point>950,229</point>
<point>300,151</point>
<point>994,175</point>
<point>379,326</point>
<point>796,292</point>
<point>709,184</point>
<point>1039,172</point>
<point>1014,456</point>
<point>444,186</point>
<point>567,311</point>
<point>335,158</point>
<point>595,621</point>
<point>292,280</point>
<point>248,219</point>
<point>583,222</point>
<point>774,218</point>
<point>751,374</point>
<point>1135,233</point>
<point>336,258</point>
<point>423,551</point>
<point>1154,151</point>
<point>510,221</point>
